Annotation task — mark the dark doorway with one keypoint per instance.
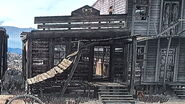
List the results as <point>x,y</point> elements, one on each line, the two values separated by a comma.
<point>101,63</point>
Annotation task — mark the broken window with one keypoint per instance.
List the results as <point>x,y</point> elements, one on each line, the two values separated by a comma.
<point>59,53</point>
<point>141,9</point>
<point>171,13</point>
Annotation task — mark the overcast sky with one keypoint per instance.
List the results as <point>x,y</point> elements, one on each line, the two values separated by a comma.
<point>21,13</point>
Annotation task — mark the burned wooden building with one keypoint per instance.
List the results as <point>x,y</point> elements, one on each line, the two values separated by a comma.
<point>137,47</point>
<point>3,51</point>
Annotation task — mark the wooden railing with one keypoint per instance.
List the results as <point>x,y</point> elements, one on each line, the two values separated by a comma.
<point>81,23</point>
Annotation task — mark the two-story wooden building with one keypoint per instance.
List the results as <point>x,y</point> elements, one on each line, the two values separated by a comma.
<point>161,22</point>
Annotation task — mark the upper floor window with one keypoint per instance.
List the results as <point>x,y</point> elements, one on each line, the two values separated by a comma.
<point>141,10</point>
<point>170,13</point>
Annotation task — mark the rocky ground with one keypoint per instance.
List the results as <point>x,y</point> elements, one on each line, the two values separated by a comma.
<point>14,61</point>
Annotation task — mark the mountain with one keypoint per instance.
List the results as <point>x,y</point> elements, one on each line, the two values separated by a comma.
<point>15,50</point>
<point>14,40</point>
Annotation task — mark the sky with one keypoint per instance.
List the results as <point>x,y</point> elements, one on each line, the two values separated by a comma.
<point>21,13</point>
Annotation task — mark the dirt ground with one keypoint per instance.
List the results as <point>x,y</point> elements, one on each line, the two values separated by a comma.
<point>3,99</point>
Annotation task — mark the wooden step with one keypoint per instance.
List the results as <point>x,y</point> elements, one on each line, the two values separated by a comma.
<point>116,98</point>
<point>113,93</point>
<point>116,95</point>
<point>124,90</point>
<point>119,101</point>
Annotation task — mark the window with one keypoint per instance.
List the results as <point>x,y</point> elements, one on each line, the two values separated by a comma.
<point>140,61</point>
<point>171,11</point>
<point>141,9</point>
<point>59,53</point>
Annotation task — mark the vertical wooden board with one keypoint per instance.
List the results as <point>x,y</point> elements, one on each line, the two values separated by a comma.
<point>181,71</point>
<point>151,61</point>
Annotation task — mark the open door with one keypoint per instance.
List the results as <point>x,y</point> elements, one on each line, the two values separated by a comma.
<point>101,63</point>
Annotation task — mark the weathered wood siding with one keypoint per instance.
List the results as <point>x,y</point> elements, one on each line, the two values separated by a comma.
<point>154,16</point>
<point>181,70</point>
<point>3,51</point>
<point>149,72</point>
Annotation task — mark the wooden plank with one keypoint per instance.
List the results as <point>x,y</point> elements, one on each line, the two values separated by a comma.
<point>88,26</point>
<point>157,61</point>
<point>134,55</point>
<point>66,19</point>
<point>166,62</point>
<point>91,62</point>
<point>76,60</point>
<point>177,55</point>
<point>95,33</point>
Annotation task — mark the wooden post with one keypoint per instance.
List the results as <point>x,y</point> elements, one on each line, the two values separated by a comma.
<point>91,61</point>
<point>157,60</point>
<point>134,55</point>
<point>166,63</point>
<point>75,64</point>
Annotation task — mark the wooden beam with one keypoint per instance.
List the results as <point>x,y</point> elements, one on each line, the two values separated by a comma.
<point>80,33</point>
<point>157,61</point>
<point>66,19</point>
<point>93,25</point>
<point>177,55</point>
<point>166,63</point>
<point>91,63</point>
<point>134,57</point>
<point>75,64</point>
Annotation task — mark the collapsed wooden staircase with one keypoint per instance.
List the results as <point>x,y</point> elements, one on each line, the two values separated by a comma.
<point>115,94</point>
<point>179,90</point>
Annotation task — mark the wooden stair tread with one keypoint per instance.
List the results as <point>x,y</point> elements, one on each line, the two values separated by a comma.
<point>113,92</point>
<point>118,100</point>
<point>122,98</point>
<point>116,95</point>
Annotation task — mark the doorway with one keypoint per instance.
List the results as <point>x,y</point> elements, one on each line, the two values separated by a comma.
<point>101,63</point>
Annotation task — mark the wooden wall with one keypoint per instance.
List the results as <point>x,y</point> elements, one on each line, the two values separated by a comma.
<point>181,64</point>
<point>153,60</point>
<point>3,51</point>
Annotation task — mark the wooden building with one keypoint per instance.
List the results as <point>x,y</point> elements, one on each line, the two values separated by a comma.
<point>161,23</point>
<point>3,52</point>
<point>105,60</point>
<point>129,53</point>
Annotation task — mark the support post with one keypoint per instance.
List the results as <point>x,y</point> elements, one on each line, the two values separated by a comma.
<point>166,63</point>
<point>134,55</point>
